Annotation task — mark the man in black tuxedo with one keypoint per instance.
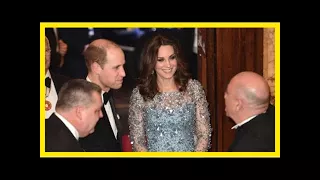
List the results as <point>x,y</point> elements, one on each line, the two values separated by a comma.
<point>53,82</point>
<point>247,103</point>
<point>105,62</point>
<point>77,111</point>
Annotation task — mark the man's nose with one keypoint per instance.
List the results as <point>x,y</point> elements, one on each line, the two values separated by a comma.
<point>123,72</point>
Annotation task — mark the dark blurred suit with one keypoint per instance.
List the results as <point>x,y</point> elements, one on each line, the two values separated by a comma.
<point>257,135</point>
<point>74,62</point>
<point>59,80</point>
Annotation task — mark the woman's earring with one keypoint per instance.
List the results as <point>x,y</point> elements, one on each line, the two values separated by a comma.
<point>152,72</point>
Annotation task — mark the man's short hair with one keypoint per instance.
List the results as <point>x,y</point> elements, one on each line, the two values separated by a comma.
<point>76,92</point>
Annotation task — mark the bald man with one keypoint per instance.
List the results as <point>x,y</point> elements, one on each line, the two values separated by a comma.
<point>105,62</point>
<point>247,104</point>
<point>53,82</point>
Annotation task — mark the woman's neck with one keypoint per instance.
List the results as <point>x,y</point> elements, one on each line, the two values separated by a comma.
<point>166,85</point>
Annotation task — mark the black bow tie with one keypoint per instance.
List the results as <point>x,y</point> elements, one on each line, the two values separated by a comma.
<point>48,82</point>
<point>106,96</point>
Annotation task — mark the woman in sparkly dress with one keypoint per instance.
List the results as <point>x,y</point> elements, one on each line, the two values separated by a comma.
<point>168,111</point>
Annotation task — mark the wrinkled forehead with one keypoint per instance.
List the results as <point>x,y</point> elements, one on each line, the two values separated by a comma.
<point>115,53</point>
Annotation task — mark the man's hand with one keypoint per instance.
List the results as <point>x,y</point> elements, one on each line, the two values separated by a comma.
<point>63,47</point>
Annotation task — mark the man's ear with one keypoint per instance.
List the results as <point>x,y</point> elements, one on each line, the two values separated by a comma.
<point>239,104</point>
<point>96,68</point>
<point>79,111</point>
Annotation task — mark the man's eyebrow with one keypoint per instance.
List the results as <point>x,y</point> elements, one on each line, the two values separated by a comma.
<point>116,66</point>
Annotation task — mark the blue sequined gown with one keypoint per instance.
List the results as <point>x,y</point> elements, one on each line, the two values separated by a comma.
<point>171,122</point>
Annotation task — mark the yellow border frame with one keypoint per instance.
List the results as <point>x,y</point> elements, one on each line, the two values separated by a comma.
<point>275,25</point>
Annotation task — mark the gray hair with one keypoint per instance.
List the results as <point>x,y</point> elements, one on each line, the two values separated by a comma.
<point>76,92</point>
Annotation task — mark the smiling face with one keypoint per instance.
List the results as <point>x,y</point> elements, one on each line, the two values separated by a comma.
<point>166,64</point>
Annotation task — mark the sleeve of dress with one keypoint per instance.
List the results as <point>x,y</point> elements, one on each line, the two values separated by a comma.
<point>202,124</point>
<point>136,122</point>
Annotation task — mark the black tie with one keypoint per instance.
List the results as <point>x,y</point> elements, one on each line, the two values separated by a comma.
<point>48,82</point>
<point>106,96</point>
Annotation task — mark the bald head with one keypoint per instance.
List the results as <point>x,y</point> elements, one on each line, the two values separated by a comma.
<point>99,50</point>
<point>251,87</point>
<point>105,43</point>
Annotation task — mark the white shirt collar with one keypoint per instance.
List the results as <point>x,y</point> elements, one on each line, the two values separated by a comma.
<point>87,78</point>
<point>243,122</point>
<point>69,126</point>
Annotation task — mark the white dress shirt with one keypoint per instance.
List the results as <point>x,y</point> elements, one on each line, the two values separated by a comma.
<point>51,96</point>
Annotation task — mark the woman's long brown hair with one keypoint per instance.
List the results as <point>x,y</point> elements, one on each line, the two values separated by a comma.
<point>147,81</point>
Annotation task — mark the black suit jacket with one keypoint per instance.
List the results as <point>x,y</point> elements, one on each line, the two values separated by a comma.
<point>58,80</point>
<point>103,139</point>
<point>58,138</point>
<point>257,135</point>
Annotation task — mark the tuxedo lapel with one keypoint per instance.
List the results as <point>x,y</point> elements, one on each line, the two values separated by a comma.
<point>115,115</point>
<point>106,119</point>
<point>56,82</point>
